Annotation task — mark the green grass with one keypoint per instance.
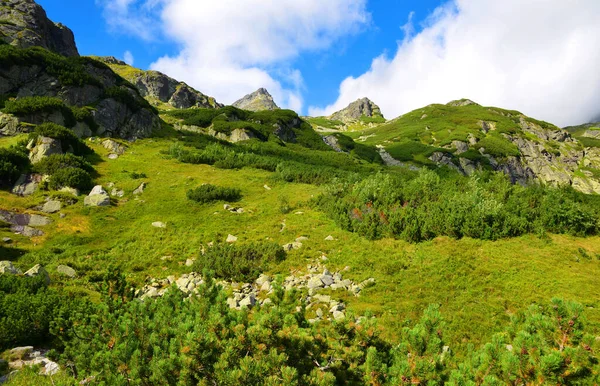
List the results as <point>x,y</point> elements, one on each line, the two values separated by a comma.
<point>325,123</point>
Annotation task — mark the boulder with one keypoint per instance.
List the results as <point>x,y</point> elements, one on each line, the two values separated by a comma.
<point>231,239</point>
<point>26,231</point>
<point>52,206</point>
<point>65,270</point>
<point>38,270</point>
<point>140,189</point>
<point>10,125</point>
<point>315,282</point>
<point>97,197</point>
<point>7,267</point>
<point>158,224</point>
<point>329,238</point>
<point>27,184</point>
<point>43,147</point>
<point>114,147</point>
<point>461,147</point>
<point>249,301</point>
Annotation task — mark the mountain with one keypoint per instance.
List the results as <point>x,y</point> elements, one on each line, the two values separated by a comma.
<point>588,134</point>
<point>362,108</point>
<point>257,101</point>
<point>23,24</point>
<point>159,89</point>
<point>467,137</point>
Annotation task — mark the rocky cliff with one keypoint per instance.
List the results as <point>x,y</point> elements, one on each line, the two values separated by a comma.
<point>161,90</point>
<point>257,101</point>
<point>362,108</point>
<point>23,23</point>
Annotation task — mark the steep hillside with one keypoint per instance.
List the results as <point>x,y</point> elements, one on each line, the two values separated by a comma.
<point>259,100</point>
<point>24,24</point>
<point>359,115</point>
<point>160,90</point>
<point>588,134</point>
<point>467,137</point>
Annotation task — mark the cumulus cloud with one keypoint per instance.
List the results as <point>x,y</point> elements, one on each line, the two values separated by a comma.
<point>128,58</point>
<point>230,48</point>
<point>538,56</point>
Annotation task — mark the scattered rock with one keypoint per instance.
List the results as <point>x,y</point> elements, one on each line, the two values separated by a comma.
<point>158,224</point>
<point>52,206</point>
<point>72,191</point>
<point>117,193</point>
<point>231,239</point>
<point>7,267</point>
<point>26,231</point>
<point>27,184</point>
<point>66,271</point>
<point>38,270</point>
<point>329,238</point>
<point>189,262</point>
<point>295,245</point>
<point>114,147</point>
<point>267,187</point>
<point>6,240</point>
<point>97,197</point>
<point>113,156</point>
<point>249,301</point>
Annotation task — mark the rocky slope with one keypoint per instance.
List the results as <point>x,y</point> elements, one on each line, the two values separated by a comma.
<point>467,137</point>
<point>23,23</point>
<point>356,110</point>
<point>159,89</point>
<point>257,101</point>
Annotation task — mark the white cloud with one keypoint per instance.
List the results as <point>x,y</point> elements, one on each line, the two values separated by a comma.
<point>128,58</point>
<point>538,56</point>
<point>230,47</point>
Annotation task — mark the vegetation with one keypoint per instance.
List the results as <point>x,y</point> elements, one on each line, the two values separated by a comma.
<point>68,140</point>
<point>13,162</point>
<point>239,262</point>
<point>210,193</point>
<point>37,104</point>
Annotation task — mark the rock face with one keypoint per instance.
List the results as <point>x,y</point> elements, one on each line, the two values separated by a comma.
<point>257,101</point>
<point>23,23</point>
<point>361,108</point>
<point>42,148</point>
<point>158,87</point>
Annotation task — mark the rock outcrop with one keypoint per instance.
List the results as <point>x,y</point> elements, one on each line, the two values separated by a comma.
<point>356,110</point>
<point>257,101</point>
<point>23,23</point>
<point>159,88</point>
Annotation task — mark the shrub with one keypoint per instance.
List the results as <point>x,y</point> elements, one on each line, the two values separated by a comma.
<point>13,162</point>
<point>55,162</point>
<point>137,176</point>
<point>129,97</point>
<point>239,262</point>
<point>70,177</point>
<point>210,193</point>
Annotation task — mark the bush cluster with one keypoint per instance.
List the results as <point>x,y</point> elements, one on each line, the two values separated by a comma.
<point>239,262</point>
<point>13,162</point>
<point>38,104</point>
<point>487,207</point>
<point>68,140</point>
<point>210,193</point>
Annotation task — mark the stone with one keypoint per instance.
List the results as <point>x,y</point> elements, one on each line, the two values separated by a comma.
<point>26,231</point>
<point>65,270</point>
<point>52,206</point>
<point>36,220</point>
<point>68,190</point>
<point>327,280</point>
<point>257,101</point>
<point>38,270</point>
<point>322,298</point>
<point>43,147</point>
<point>114,147</point>
<point>140,189</point>
<point>27,184</point>
<point>97,197</point>
<point>249,301</point>
<point>189,262</point>
<point>266,286</point>
<point>267,187</point>
<point>6,240</point>
<point>7,267</point>
<point>338,315</point>
<point>113,156</point>
<point>232,303</point>
<point>231,239</point>
<point>117,193</point>
<point>461,147</point>
<point>319,312</point>
<point>262,279</point>
<point>20,353</point>
<point>315,282</point>
<point>329,238</point>
<point>158,224</point>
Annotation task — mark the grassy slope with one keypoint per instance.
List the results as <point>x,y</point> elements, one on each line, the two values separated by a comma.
<point>578,131</point>
<point>478,283</point>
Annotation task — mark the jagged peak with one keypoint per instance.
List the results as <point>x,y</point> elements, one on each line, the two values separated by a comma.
<point>362,107</point>
<point>257,101</point>
<point>462,102</point>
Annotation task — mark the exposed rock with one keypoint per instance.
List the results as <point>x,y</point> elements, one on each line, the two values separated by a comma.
<point>249,301</point>
<point>290,246</point>
<point>52,206</point>
<point>97,197</point>
<point>460,147</point>
<point>6,240</point>
<point>158,224</point>
<point>257,101</point>
<point>43,147</point>
<point>21,357</point>
<point>363,107</point>
<point>333,142</point>
<point>117,119</point>
<point>445,159</point>
<point>38,270</point>
<point>114,146</point>
<point>117,193</point>
<point>239,135</point>
<point>27,184</point>
<point>10,125</point>
<point>329,238</point>
<point>23,23</point>
<point>231,239</point>
<point>588,134</point>
<point>26,231</point>
<point>7,267</point>
<point>461,103</point>
<point>24,219</point>
<point>66,271</point>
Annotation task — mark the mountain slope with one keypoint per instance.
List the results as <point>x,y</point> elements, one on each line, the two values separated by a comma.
<point>257,101</point>
<point>23,23</point>
<point>159,89</point>
<point>588,134</point>
<point>465,136</point>
<point>358,115</point>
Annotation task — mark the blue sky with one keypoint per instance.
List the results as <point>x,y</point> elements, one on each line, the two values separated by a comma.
<point>316,56</point>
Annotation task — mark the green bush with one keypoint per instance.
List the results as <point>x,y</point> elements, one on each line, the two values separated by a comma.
<point>129,97</point>
<point>239,262</point>
<point>37,104</point>
<point>67,138</point>
<point>55,162</point>
<point>72,178</point>
<point>13,163</point>
<point>210,193</point>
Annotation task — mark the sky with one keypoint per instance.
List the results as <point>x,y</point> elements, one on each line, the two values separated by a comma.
<point>316,56</point>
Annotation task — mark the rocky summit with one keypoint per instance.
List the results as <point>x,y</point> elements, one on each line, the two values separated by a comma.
<point>23,24</point>
<point>257,101</point>
<point>356,110</point>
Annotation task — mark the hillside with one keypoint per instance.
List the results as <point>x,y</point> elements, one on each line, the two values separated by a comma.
<point>151,236</point>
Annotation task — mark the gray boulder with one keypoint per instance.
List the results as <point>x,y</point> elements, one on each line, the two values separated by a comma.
<point>97,197</point>
<point>7,267</point>
<point>52,206</point>
<point>114,146</point>
<point>66,271</point>
<point>43,147</point>
<point>27,184</point>
<point>38,270</point>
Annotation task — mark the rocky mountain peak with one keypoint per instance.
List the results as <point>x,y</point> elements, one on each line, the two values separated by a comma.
<point>461,103</point>
<point>24,23</point>
<point>257,101</point>
<point>363,107</point>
